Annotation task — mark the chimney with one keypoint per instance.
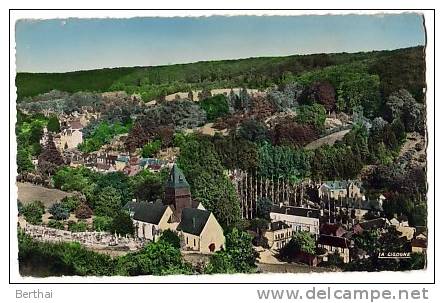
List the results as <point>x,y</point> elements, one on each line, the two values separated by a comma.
<point>134,200</point>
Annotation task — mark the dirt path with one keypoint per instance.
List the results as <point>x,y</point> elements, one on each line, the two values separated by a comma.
<point>330,139</point>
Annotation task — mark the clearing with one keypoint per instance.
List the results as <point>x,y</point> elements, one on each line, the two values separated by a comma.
<point>28,192</point>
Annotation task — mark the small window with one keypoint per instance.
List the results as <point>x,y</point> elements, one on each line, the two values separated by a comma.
<point>194,242</point>
<point>187,240</point>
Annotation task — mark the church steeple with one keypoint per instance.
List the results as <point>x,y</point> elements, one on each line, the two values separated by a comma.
<point>177,192</point>
<point>177,178</point>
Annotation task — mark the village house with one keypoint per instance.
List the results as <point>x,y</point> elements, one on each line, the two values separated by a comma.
<point>401,224</point>
<point>334,244</point>
<point>122,162</point>
<point>330,229</point>
<point>74,157</point>
<point>200,231</point>
<point>105,162</point>
<point>359,207</point>
<point>379,224</point>
<point>419,243</point>
<point>71,136</point>
<point>340,189</point>
<point>278,234</point>
<point>298,218</point>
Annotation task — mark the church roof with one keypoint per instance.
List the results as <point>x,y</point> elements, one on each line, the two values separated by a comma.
<point>147,211</point>
<point>177,178</point>
<point>193,220</point>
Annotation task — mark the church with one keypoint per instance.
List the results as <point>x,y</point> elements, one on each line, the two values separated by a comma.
<point>197,227</point>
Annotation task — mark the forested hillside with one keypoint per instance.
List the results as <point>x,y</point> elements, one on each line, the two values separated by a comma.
<point>396,69</point>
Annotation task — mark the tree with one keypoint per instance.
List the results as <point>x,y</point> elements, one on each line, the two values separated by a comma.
<point>238,245</point>
<point>239,255</point>
<point>147,186</point>
<point>50,159</point>
<point>367,241</point>
<point>215,107</point>
<point>301,242</point>
<point>263,205</point>
<point>283,162</point>
<point>59,211</point>
<point>33,212</point>
<point>220,263</point>
<point>108,202</point>
<point>335,260</point>
<point>83,211</point>
<point>151,149</point>
<point>293,134</point>
<point>76,227</point>
<point>402,105</point>
<point>259,225</point>
<point>170,237</point>
<point>70,203</point>
<point>253,130</point>
<point>156,258</point>
<point>53,124</point>
<point>24,162</point>
<point>101,223</point>
<point>312,114</point>
<point>305,242</point>
<point>321,92</point>
<point>208,182</point>
<point>122,224</point>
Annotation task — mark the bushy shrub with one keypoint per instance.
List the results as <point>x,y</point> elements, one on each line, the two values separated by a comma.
<point>83,211</point>
<point>56,224</point>
<point>101,223</point>
<point>77,226</point>
<point>59,211</point>
<point>33,212</point>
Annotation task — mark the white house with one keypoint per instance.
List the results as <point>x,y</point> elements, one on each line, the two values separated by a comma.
<point>72,136</point>
<point>278,234</point>
<point>334,244</point>
<point>298,218</point>
<point>340,189</point>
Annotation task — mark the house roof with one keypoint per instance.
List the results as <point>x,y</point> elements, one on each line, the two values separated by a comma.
<point>148,212</point>
<point>176,178</point>
<point>343,184</point>
<point>333,241</point>
<point>75,125</point>
<point>361,204</point>
<point>123,159</point>
<point>374,224</point>
<point>278,225</point>
<point>296,211</point>
<point>419,243</point>
<point>331,229</point>
<point>193,220</point>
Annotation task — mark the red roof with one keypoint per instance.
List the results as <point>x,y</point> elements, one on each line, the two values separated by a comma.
<point>332,229</point>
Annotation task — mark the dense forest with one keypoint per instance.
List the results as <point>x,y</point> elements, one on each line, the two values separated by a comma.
<point>403,68</point>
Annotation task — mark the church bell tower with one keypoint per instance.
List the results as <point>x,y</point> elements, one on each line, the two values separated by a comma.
<point>177,192</point>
